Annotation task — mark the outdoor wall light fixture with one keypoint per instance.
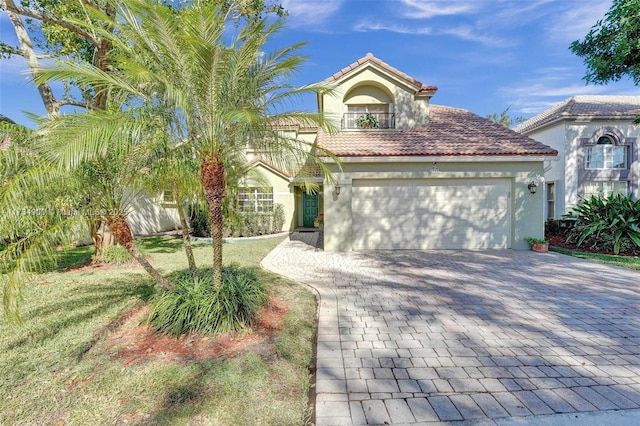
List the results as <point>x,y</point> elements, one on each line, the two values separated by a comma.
<point>533,188</point>
<point>337,189</point>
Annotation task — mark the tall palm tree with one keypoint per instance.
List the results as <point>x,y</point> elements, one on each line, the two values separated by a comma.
<point>108,149</point>
<point>225,92</point>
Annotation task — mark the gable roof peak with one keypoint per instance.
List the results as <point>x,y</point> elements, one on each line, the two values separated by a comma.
<point>370,58</point>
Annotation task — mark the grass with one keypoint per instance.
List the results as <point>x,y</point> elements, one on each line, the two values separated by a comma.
<point>57,368</point>
<point>624,261</point>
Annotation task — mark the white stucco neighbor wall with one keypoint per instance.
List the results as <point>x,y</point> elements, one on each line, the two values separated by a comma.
<point>148,216</point>
<point>526,209</point>
<point>555,168</point>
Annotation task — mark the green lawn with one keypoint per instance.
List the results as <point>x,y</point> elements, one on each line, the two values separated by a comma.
<point>624,261</point>
<point>57,368</point>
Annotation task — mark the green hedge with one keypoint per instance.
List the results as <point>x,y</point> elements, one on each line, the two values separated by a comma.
<point>242,224</point>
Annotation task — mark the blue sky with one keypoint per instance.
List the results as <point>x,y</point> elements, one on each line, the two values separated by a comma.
<point>484,55</point>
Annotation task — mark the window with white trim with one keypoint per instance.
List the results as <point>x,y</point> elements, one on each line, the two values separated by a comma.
<point>551,200</point>
<point>255,199</point>
<point>605,154</point>
<point>604,188</point>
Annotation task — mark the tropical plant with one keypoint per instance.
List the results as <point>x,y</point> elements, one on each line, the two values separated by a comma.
<point>606,223</point>
<point>176,173</point>
<point>37,204</point>
<point>532,240</point>
<point>196,306</point>
<point>368,121</point>
<point>116,255</point>
<point>224,94</point>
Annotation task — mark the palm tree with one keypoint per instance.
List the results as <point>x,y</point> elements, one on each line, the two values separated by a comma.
<point>177,174</point>
<point>225,94</point>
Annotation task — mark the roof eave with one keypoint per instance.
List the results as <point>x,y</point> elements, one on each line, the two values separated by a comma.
<point>445,158</point>
<point>577,119</point>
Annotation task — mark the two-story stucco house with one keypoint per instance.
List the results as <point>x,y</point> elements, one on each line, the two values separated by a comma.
<point>416,175</point>
<point>598,149</point>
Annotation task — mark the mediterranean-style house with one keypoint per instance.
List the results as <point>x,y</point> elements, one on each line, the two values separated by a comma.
<point>598,149</point>
<point>415,175</point>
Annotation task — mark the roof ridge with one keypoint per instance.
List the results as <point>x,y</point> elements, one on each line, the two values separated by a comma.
<point>606,106</point>
<point>369,57</point>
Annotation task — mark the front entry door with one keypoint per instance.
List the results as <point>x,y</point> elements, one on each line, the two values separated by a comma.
<point>309,208</point>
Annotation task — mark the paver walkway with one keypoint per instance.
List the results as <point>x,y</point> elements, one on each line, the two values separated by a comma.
<point>444,336</point>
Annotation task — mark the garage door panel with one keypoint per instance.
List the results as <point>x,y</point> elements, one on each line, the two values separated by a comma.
<point>431,214</point>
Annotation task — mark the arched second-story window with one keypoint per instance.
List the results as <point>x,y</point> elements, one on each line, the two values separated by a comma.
<point>368,107</point>
<point>605,154</point>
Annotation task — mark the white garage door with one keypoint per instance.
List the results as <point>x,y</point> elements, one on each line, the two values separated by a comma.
<point>431,214</point>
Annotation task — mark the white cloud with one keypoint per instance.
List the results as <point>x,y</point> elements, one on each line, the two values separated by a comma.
<point>575,21</point>
<point>468,33</point>
<point>14,67</point>
<point>418,9</point>
<point>365,26</point>
<point>310,12</point>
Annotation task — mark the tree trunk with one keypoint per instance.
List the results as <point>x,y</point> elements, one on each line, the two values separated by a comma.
<point>213,177</point>
<point>96,237</point>
<point>50,103</point>
<point>119,228</point>
<point>185,236</point>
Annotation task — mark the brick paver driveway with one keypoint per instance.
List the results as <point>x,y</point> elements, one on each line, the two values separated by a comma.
<point>442,336</point>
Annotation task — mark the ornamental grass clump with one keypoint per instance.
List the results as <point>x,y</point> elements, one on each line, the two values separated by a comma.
<point>116,255</point>
<point>609,224</point>
<point>196,306</point>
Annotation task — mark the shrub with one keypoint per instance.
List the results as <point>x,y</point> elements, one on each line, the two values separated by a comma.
<point>278,218</point>
<point>117,255</point>
<point>606,224</point>
<point>199,220</point>
<point>238,224</point>
<point>195,306</point>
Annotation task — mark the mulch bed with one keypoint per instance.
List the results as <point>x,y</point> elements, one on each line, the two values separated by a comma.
<point>135,342</point>
<point>559,241</point>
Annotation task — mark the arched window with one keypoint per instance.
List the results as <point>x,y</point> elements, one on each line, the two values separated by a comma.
<point>368,107</point>
<point>605,154</point>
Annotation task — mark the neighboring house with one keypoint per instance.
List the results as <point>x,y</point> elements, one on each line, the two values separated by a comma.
<point>598,149</point>
<point>416,175</point>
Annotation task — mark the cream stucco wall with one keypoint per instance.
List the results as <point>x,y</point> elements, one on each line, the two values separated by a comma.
<point>526,209</point>
<point>410,112</point>
<point>283,192</point>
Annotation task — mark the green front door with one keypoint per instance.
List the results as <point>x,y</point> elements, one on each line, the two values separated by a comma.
<point>309,208</point>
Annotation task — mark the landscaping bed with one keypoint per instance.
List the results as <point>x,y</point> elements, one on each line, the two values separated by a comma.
<point>85,354</point>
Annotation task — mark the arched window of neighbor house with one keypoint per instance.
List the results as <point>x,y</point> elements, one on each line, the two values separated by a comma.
<point>602,159</point>
<point>605,154</point>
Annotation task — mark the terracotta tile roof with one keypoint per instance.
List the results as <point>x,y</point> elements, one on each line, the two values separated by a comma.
<point>585,107</point>
<point>418,86</point>
<point>451,132</point>
<point>311,170</point>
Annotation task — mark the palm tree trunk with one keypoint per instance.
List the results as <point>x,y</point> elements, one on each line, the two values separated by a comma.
<point>121,231</point>
<point>96,237</point>
<point>185,236</point>
<point>213,177</point>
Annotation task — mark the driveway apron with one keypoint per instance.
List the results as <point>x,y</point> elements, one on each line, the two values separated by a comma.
<point>414,337</point>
